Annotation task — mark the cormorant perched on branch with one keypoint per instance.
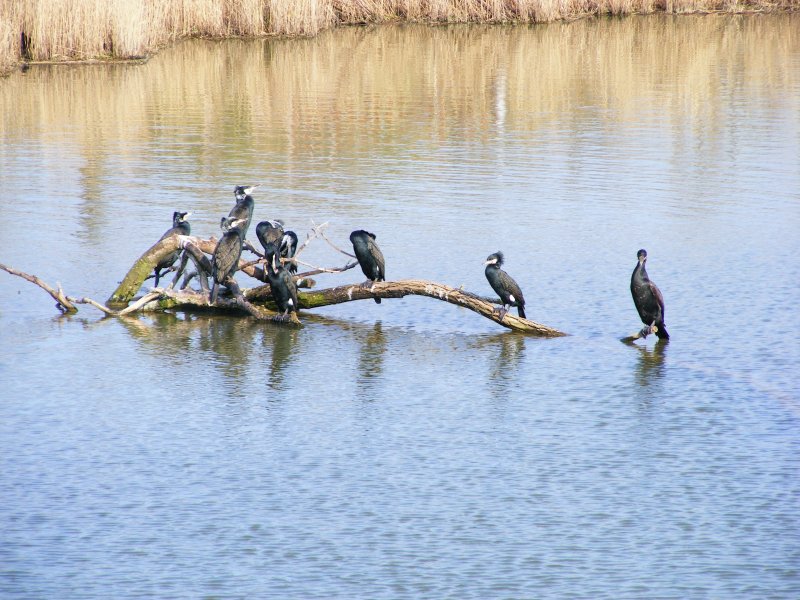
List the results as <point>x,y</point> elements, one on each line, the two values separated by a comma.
<point>269,233</point>
<point>281,283</point>
<point>225,260</point>
<point>648,299</point>
<point>503,285</point>
<point>369,256</point>
<point>288,249</point>
<point>244,206</point>
<point>180,226</point>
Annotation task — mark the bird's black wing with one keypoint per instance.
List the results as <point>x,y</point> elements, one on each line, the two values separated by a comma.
<point>659,298</point>
<point>511,287</point>
<point>226,256</point>
<point>378,256</point>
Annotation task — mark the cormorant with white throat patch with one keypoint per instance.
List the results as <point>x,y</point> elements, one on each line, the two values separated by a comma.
<point>503,285</point>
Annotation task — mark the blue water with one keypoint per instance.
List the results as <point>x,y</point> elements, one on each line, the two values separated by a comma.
<point>413,449</point>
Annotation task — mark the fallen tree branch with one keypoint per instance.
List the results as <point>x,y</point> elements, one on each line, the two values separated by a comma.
<point>174,299</point>
<point>62,302</point>
<point>257,302</point>
<point>143,266</point>
<point>430,289</point>
<point>164,299</point>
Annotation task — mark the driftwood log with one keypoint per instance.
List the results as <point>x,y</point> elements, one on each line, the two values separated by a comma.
<point>257,301</point>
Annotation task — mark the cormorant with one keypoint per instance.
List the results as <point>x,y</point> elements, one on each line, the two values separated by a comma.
<point>269,233</point>
<point>281,283</point>
<point>503,285</point>
<point>225,260</point>
<point>648,299</point>
<point>244,206</point>
<point>288,249</point>
<point>180,226</point>
<point>369,256</point>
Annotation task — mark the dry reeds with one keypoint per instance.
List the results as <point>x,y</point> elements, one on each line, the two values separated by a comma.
<point>43,30</point>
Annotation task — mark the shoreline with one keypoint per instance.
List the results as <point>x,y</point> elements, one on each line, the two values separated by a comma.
<point>8,67</point>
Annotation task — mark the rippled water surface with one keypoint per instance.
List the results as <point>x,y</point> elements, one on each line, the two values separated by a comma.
<point>413,449</point>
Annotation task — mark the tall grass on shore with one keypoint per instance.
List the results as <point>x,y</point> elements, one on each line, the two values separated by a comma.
<point>43,30</point>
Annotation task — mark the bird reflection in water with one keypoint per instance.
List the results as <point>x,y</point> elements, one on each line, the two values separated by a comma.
<point>371,354</point>
<point>509,351</point>
<point>284,345</point>
<point>650,368</point>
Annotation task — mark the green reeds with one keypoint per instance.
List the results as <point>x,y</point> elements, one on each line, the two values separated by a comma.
<point>53,30</point>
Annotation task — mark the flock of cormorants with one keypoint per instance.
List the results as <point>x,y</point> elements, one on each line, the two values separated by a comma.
<point>280,246</point>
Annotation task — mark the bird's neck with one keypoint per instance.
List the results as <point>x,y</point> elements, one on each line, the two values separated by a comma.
<point>640,273</point>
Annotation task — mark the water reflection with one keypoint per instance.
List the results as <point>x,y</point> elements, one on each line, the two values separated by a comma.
<point>650,368</point>
<point>372,348</point>
<point>505,353</point>
<point>282,344</point>
<point>225,342</point>
<point>216,114</point>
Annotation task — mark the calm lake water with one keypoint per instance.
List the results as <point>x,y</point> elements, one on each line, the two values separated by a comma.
<point>414,449</point>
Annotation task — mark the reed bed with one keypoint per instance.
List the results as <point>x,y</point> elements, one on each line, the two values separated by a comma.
<point>57,30</point>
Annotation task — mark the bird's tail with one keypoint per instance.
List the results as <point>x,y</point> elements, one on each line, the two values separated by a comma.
<point>521,311</point>
<point>661,332</point>
<point>214,290</point>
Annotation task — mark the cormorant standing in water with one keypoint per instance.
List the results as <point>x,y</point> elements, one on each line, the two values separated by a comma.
<point>648,299</point>
<point>281,283</point>
<point>225,260</point>
<point>288,249</point>
<point>369,256</point>
<point>180,226</point>
<point>503,285</point>
<point>244,206</point>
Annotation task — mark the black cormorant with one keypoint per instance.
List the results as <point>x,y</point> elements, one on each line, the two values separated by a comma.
<point>288,249</point>
<point>244,206</point>
<point>180,226</point>
<point>282,286</point>
<point>503,285</point>
<point>369,256</point>
<point>648,299</point>
<point>225,260</point>
<point>269,233</point>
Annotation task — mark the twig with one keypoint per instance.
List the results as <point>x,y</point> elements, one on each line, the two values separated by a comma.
<point>335,247</point>
<point>319,270</point>
<point>316,231</point>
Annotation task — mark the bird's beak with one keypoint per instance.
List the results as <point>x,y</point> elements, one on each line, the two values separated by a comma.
<point>187,215</point>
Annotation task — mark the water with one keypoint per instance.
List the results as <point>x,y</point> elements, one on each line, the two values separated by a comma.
<point>414,449</point>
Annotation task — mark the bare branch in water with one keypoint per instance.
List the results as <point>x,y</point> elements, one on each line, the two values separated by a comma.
<point>257,302</point>
<point>62,302</point>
